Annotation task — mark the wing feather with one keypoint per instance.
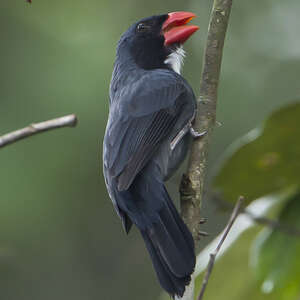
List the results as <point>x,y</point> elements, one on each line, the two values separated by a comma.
<point>161,126</point>
<point>141,117</point>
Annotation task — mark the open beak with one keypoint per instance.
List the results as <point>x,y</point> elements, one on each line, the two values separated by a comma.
<point>175,29</point>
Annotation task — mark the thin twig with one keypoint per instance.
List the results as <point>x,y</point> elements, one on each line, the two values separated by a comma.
<point>191,190</point>
<point>9,138</point>
<point>213,255</point>
<point>271,223</point>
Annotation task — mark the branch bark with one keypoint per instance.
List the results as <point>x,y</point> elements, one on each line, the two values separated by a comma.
<point>213,255</point>
<point>9,138</point>
<point>191,189</point>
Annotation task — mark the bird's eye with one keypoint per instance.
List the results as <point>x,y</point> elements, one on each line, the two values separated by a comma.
<point>143,27</point>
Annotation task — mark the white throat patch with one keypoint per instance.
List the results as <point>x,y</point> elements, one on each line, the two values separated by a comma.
<point>175,59</point>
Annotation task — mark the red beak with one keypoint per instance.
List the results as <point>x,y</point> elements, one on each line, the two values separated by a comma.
<point>175,29</point>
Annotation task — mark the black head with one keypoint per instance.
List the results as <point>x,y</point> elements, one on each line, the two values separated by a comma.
<point>144,41</point>
<point>150,41</point>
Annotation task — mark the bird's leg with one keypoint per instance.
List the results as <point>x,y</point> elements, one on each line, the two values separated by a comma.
<point>195,134</point>
<point>202,220</point>
<point>187,128</point>
<point>180,135</point>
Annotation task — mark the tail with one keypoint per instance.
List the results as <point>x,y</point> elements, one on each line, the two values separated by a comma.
<point>168,240</point>
<point>171,247</point>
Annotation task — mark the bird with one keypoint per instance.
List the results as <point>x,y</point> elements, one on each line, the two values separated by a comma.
<point>147,137</point>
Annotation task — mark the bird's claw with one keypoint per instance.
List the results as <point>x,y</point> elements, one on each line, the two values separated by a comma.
<point>203,233</point>
<point>187,128</point>
<point>195,134</point>
<point>202,220</point>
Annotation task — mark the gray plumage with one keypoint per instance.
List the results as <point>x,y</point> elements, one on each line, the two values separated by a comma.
<point>148,108</point>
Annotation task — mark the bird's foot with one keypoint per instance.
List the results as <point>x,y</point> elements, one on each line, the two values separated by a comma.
<point>201,234</point>
<point>195,134</point>
<point>202,220</point>
<point>187,128</point>
<point>179,136</point>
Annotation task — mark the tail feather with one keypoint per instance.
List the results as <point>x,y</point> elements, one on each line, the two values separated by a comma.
<point>171,284</point>
<point>185,231</point>
<point>168,240</point>
<point>171,248</point>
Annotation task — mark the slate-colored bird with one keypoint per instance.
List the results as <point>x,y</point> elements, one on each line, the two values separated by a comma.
<point>147,135</point>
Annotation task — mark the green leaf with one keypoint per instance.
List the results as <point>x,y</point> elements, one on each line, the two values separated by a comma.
<point>276,255</point>
<point>264,161</point>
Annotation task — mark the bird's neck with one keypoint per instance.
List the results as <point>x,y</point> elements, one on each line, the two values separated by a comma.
<point>128,68</point>
<point>124,73</point>
<point>175,59</point>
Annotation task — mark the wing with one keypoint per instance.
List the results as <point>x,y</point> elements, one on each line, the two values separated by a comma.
<point>140,120</point>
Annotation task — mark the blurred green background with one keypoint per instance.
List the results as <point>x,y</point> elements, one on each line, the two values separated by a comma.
<point>59,236</point>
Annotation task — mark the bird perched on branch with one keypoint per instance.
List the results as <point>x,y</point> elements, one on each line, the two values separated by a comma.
<point>147,135</point>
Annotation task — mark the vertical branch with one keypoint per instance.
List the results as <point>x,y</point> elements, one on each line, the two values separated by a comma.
<point>191,190</point>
